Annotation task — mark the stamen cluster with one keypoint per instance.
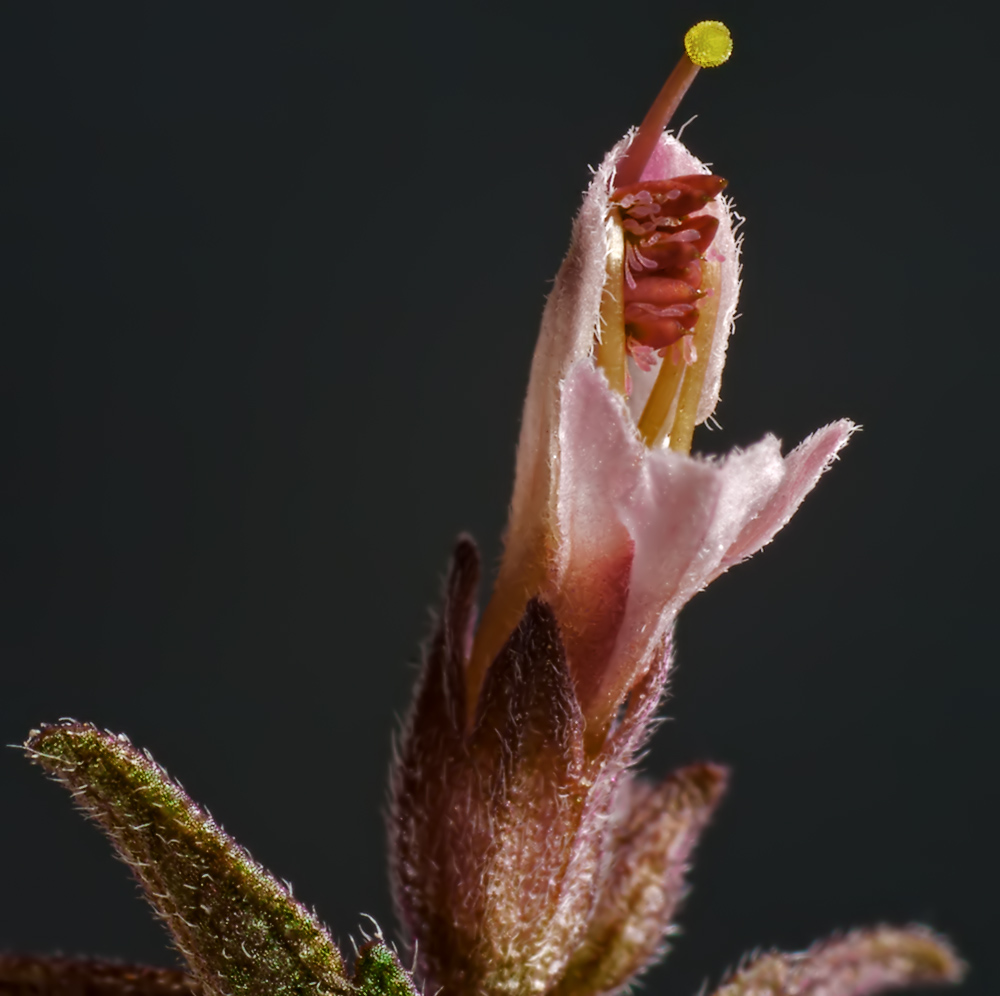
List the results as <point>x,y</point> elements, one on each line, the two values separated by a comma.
<point>665,243</point>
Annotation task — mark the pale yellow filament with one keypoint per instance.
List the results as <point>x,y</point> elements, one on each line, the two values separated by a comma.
<point>704,333</point>
<point>610,349</point>
<point>653,421</point>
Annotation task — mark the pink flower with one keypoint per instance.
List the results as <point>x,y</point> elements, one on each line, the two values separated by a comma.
<point>616,534</point>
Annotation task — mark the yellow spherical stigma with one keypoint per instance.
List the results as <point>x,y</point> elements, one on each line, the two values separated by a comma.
<point>708,43</point>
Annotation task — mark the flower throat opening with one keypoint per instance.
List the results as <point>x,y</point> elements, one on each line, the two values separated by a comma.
<point>661,295</point>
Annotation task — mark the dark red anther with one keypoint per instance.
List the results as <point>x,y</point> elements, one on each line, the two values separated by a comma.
<point>676,197</point>
<point>669,255</point>
<point>639,312</point>
<point>657,333</point>
<point>699,231</point>
<point>661,291</point>
<point>690,274</point>
<point>664,241</point>
<point>708,183</point>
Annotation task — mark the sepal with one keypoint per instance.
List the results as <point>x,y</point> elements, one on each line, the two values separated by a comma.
<point>430,765</point>
<point>656,835</point>
<point>860,963</point>
<point>526,806</point>
<point>489,873</point>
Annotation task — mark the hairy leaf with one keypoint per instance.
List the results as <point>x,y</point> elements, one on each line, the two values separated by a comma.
<point>240,930</point>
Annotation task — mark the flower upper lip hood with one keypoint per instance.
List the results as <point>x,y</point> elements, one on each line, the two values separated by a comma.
<point>571,321</point>
<point>615,535</point>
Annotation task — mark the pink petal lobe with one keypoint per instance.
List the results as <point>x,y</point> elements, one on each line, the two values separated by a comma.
<point>599,465</point>
<point>803,468</point>
<point>668,515</point>
<point>569,324</point>
<point>683,515</point>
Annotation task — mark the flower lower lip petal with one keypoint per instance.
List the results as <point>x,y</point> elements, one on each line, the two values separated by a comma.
<point>803,468</point>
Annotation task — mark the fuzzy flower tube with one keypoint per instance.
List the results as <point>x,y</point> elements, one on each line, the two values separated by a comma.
<point>526,855</point>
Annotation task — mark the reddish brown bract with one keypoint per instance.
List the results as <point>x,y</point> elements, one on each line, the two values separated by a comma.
<point>517,854</point>
<point>664,241</point>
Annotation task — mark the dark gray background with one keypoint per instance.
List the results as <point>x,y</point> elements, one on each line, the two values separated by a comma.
<point>273,274</point>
